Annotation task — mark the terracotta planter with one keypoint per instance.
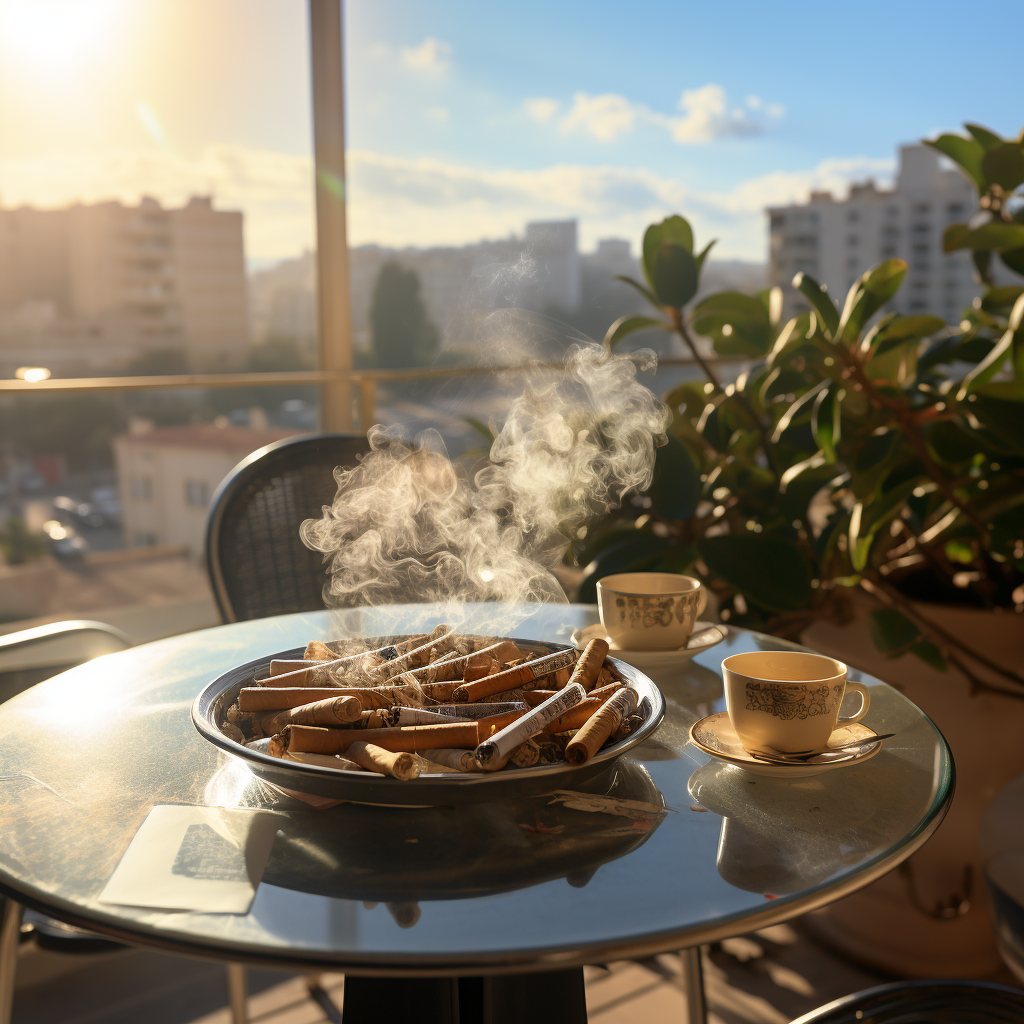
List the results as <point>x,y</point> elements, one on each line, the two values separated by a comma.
<point>26,590</point>
<point>930,917</point>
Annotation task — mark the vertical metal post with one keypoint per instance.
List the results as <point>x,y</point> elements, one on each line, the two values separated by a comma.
<point>367,403</point>
<point>238,994</point>
<point>335,348</point>
<point>10,935</point>
<point>693,983</point>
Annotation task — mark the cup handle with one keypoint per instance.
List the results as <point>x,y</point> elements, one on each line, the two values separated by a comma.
<point>865,703</point>
<point>702,601</point>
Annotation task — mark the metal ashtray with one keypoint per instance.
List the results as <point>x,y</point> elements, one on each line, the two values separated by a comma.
<point>429,789</point>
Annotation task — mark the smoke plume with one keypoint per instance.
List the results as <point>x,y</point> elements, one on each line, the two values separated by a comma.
<point>408,525</point>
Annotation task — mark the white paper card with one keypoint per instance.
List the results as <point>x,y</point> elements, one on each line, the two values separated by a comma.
<point>195,858</point>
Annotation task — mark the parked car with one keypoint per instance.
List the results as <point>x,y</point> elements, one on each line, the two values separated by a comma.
<point>105,502</point>
<point>65,540</point>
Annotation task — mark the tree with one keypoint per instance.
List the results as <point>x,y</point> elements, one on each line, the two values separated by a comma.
<point>402,334</point>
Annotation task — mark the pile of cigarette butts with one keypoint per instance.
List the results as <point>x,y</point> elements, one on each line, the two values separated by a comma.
<point>436,703</point>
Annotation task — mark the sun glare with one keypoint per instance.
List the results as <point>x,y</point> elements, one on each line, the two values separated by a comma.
<point>54,35</point>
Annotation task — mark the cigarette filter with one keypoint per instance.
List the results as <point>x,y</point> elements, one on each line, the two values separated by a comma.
<point>497,746</point>
<point>612,713</point>
<point>527,672</point>
<point>317,740</point>
<point>402,766</point>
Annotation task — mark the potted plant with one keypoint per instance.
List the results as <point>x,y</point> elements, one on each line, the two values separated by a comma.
<point>863,478</point>
<point>27,576</point>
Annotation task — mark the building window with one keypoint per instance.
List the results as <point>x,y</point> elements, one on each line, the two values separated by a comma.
<point>778,220</point>
<point>197,492</point>
<point>853,240</point>
<point>922,208</point>
<point>141,487</point>
<point>955,209</point>
<point>853,216</point>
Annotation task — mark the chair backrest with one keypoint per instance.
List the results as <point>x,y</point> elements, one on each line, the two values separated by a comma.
<point>258,565</point>
<point>925,1002</point>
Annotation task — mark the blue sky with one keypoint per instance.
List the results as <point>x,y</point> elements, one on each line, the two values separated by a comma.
<point>466,119</point>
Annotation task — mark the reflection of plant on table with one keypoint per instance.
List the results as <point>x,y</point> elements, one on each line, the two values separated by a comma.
<point>862,449</point>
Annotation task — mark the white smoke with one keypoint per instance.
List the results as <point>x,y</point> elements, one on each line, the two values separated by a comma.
<point>408,525</point>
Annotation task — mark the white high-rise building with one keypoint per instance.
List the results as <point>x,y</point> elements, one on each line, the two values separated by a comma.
<point>835,240</point>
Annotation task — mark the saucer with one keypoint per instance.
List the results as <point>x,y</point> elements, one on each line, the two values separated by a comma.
<point>716,736</point>
<point>705,635</point>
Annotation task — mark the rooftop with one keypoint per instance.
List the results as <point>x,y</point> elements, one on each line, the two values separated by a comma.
<point>205,436</point>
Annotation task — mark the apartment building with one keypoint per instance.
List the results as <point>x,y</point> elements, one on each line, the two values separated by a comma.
<point>835,240</point>
<point>168,475</point>
<point>92,286</point>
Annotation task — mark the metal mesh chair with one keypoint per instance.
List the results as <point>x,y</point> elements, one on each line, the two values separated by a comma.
<point>257,563</point>
<point>925,1002</point>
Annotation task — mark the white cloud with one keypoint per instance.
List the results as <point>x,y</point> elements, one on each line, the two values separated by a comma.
<point>431,58</point>
<point>541,109</point>
<point>403,201</point>
<point>439,114</point>
<point>604,117</point>
<point>705,116</point>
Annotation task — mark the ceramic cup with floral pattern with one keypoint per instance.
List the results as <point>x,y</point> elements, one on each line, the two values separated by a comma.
<point>649,611</point>
<point>788,700</point>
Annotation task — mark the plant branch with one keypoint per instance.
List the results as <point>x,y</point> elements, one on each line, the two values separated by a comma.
<point>907,422</point>
<point>741,399</point>
<point>888,594</point>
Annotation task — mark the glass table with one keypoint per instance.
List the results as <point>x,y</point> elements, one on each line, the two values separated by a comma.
<point>477,892</point>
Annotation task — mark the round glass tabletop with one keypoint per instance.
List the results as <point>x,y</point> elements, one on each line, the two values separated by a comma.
<point>513,885</point>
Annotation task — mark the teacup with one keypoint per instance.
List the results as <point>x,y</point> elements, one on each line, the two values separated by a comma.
<point>649,611</point>
<point>788,700</point>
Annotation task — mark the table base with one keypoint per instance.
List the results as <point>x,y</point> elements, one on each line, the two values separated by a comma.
<point>505,999</point>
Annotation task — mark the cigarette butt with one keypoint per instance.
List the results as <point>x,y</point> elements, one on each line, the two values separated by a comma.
<point>277,698</point>
<point>316,650</point>
<point>399,765</point>
<point>523,756</point>
<point>412,738</point>
<point>478,666</point>
<point>535,697</point>
<point>329,711</point>
<point>608,717</point>
<point>527,672</point>
<point>588,668</point>
<point>324,760</point>
<point>574,717</point>
<point>451,758</point>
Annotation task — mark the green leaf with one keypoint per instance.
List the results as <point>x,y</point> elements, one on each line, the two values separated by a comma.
<point>674,275</point>
<point>891,631</point>
<point>480,427</point>
<point>703,256</point>
<point>646,293</point>
<point>676,487</point>
<point>993,362</point>
<point>951,443</point>
<point>802,487</point>
<point>626,325</point>
<point>633,554</point>
<point>825,422</point>
<point>874,289</point>
<point>673,229</point>
<point>872,463</point>
<point>819,300</point>
<point>768,570</point>
<point>955,237</point>
<point>929,654</point>
<point>1014,259</point>
<point>965,152</point>
<point>987,138</point>
<point>1004,165</point>
<point>906,328</point>
<point>996,299</point>
<point>795,407</point>
<point>995,235</point>
<point>737,323</point>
